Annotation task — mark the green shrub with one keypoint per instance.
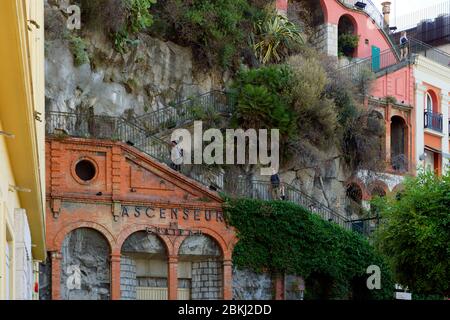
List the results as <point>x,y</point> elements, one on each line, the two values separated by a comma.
<point>217,30</point>
<point>282,237</point>
<point>78,48</point>
<point>262,99</point>
<point>347,43</point>
<point>139,19</point>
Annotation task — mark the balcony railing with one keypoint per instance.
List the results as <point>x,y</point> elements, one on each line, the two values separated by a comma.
<point>370,8</point>
<point>433,121</point>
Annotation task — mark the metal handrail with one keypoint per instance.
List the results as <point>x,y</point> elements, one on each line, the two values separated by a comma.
<point>430,52</point>
<point>263,190</point>
<point>86,125</point>
<point>183,112</point>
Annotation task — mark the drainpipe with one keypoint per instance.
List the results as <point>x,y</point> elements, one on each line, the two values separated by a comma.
<point>386,13</point>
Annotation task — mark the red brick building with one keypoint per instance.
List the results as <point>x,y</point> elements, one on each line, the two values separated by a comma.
<point>111,207</point>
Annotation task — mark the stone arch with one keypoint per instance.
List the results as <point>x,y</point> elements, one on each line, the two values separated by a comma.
<point>347,25</point>
<point>59,238</point>
<point>128,231</point>
<point>143,267</point>
<point>201,267</point>
<point>356,190</point>
<point>398,189</point>
<point>378,188</point>
<point>85,265</point>
<point>220,240</point>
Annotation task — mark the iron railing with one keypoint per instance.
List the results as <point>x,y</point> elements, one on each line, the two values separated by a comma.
<point>263,190</point>
<point>383,60</point>
<point>365,226</point>
<point>433,121</point>
<point>85,125</point>
<point>184,112</point>
<point>434,54</point>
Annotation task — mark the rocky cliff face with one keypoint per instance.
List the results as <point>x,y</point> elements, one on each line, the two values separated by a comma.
<point>150,75</point>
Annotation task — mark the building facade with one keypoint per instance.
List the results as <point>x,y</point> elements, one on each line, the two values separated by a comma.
<point>121,225</point>
<point>22,163</point>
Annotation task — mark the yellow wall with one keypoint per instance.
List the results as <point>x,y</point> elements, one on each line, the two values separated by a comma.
<point>22,93</point>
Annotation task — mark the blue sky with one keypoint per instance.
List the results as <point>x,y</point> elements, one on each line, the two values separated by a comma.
<point>405,7</point>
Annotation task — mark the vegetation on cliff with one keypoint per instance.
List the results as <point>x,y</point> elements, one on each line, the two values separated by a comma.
<point>282,237</point>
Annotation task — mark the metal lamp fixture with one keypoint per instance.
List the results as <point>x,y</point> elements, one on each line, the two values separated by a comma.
<point>360,5</point>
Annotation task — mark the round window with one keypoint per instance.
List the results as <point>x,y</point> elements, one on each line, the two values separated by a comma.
<point>85,170</point>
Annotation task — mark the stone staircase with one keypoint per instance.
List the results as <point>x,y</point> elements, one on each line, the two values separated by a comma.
<point>142,133</point>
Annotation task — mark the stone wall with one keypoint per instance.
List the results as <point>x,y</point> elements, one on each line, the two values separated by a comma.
<point>207,280</point>
<point>128,282</point>
<point>85,266</point>
<point>147,77</point>
<point>326,39</point>
<point>248,285</point>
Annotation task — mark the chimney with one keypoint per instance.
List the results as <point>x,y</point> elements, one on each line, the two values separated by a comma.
<point>386,12</point>
<point>282,6</point>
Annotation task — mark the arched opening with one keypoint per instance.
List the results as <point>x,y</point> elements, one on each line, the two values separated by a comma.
<point>354,195</point>
<point>432,102</point>
<point>347,36</point>
<point>399,152</point>
<point>200,269</point>
<point>433,116</point>
<point>143,268</point>
<point>85,266</point>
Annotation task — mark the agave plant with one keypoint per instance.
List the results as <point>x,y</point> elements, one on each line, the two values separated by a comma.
<point>275,36</point>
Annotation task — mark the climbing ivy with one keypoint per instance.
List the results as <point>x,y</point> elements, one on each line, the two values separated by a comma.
<point>283,237</point>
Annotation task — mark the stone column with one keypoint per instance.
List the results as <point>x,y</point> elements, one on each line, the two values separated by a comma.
<point>115,276</point>
<point>56,275</point>
<point>420,126</point>
<point>172,279</point>
<point>227,279</point>
<point>445,142</point>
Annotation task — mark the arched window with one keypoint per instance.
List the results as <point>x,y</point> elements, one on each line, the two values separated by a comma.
<point>399,152</point>
<point>429,105</point>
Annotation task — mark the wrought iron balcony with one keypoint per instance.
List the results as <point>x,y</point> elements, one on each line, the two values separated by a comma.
<point>433,121</point>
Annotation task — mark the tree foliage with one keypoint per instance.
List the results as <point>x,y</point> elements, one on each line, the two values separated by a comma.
<point>283,237</point>
<point>416,233</point>
<point>217,30</point>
